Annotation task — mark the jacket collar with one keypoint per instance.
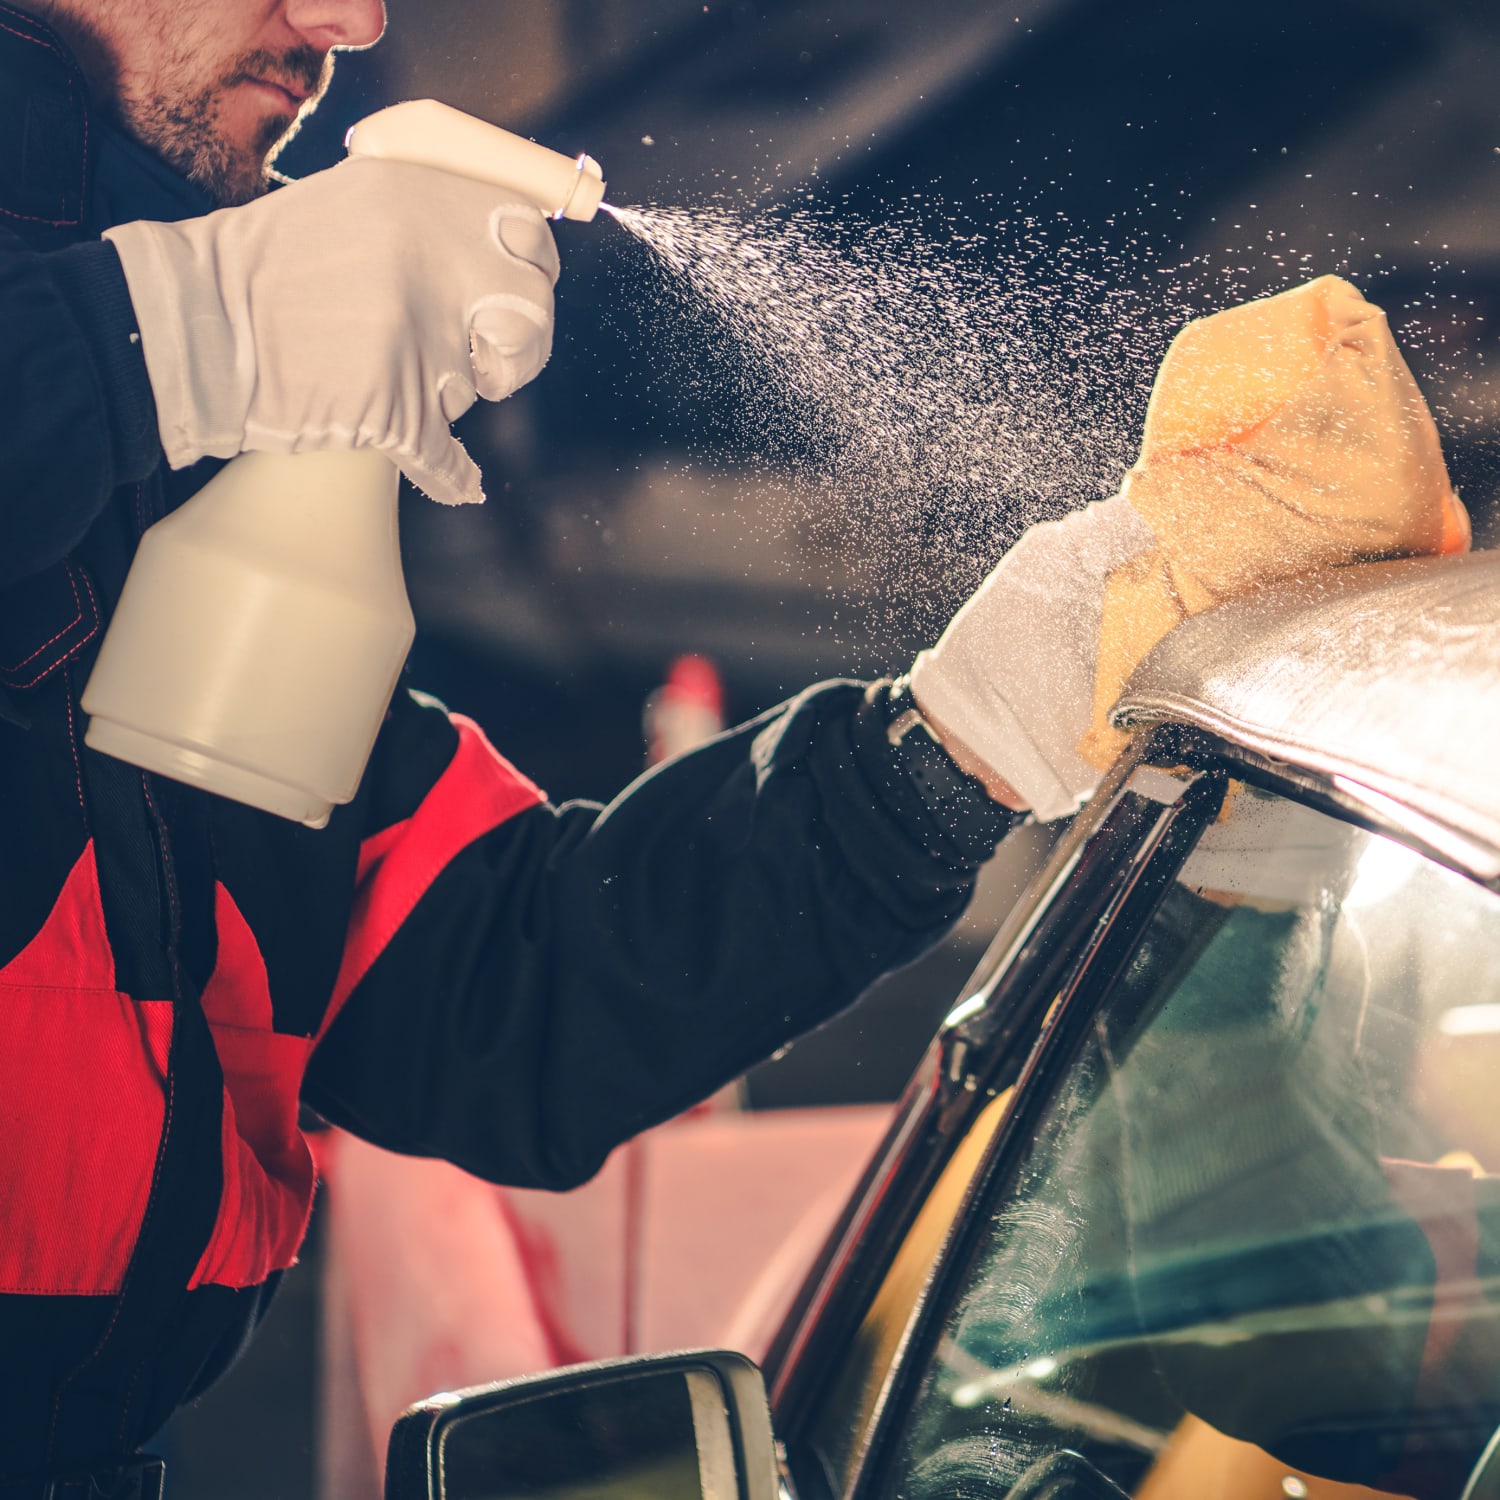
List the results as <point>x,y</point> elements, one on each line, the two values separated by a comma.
<point>130,182</point>
<point>63,165</point>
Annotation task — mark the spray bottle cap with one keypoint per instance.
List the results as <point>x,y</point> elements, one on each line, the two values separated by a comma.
<point>428,134</point>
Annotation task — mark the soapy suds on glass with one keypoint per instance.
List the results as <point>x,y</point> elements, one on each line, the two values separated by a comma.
<point>935,391</point>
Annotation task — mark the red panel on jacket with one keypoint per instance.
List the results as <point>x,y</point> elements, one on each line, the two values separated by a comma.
<point>268,1171</point>
<point>82,1091</point>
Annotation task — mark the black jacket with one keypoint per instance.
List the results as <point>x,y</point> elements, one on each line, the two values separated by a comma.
<point>453,967</point>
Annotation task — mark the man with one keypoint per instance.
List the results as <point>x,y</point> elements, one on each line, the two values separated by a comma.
<point>452,967</point>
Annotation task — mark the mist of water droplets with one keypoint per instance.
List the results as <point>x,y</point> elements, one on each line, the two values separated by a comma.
<point>938,388</point>
<point>911,375</point>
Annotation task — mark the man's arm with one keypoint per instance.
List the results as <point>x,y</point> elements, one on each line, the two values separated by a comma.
<point>577,974</point>
<point>76,412</point>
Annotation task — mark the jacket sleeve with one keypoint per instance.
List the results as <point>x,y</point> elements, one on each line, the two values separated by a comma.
<point>77,417</point>
<point>577,974</point>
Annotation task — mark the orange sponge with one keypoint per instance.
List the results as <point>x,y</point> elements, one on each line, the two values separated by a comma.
<point>1283,436</point>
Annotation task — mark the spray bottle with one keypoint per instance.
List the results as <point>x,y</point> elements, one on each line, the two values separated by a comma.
<point>263,625</point>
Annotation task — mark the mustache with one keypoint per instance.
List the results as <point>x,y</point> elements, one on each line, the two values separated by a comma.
<point>300,69</point>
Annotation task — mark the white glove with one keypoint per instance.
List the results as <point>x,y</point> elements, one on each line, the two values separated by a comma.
<point>1012,677</point>
<point>1282,437</point>
<point>362,307</point>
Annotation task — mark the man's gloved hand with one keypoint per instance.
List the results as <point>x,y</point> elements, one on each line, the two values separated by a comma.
<point>1009,686</point>
<point>362,307</point>
<point>1282,436</point>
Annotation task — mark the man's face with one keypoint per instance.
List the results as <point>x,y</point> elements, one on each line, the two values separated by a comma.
<point>214,85</point>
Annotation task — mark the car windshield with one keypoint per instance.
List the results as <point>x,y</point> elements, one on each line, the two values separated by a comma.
<point>1252,1247</point>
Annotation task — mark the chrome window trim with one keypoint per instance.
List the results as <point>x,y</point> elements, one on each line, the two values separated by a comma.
<point>1341,796</point>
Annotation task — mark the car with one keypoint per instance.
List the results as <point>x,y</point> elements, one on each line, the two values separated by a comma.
<point>1195,1194</point>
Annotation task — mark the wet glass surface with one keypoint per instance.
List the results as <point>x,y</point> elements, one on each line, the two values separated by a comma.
<point>1254,1247</point>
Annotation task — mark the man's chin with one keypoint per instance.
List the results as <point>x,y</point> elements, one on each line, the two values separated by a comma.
<point>243,188</point>
<point>227,176</point>
<point>227,171</point>
<point>238,174</point>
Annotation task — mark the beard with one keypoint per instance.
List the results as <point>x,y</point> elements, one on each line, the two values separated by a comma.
<point>185,127</point>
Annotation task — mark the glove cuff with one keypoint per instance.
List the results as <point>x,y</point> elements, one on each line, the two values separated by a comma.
<point>995,733</point>
<point>1013,675</point>
<point>199,381</point>
<point>966,820</point>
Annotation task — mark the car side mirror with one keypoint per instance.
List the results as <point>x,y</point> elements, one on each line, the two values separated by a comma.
<point>689,1426</point>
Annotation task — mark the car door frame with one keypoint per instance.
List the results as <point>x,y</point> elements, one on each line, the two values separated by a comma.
<point>1079,917</point>
<point>1017,1021</point>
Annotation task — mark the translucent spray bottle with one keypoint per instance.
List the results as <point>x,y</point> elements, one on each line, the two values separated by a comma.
<point>263,625</point>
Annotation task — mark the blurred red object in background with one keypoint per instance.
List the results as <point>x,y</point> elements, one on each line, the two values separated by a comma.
<point>685,710</point>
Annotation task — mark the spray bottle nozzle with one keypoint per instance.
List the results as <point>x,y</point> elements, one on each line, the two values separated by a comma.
<point>588,174</point>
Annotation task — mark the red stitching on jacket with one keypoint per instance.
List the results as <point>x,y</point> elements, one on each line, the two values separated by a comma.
<point>61,989</point>
<point>77,605</point>
<point>73,746</point>
<point>78,645</point>
<point>88,588</point>
<point>10,213</point>
<point>36,41</point>
<point>174,904</point>
<point>48,45</point>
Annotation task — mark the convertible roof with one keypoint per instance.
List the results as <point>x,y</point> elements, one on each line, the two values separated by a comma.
<point>1382,679</point>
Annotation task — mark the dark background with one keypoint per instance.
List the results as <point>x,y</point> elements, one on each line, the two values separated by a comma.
<point>632,516</point>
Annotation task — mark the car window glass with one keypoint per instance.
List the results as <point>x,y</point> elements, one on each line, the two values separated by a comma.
<point>847,1406</point>
<point>1252,1250</point>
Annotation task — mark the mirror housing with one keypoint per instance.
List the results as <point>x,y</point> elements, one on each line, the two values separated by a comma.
<point>694,1425</point>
